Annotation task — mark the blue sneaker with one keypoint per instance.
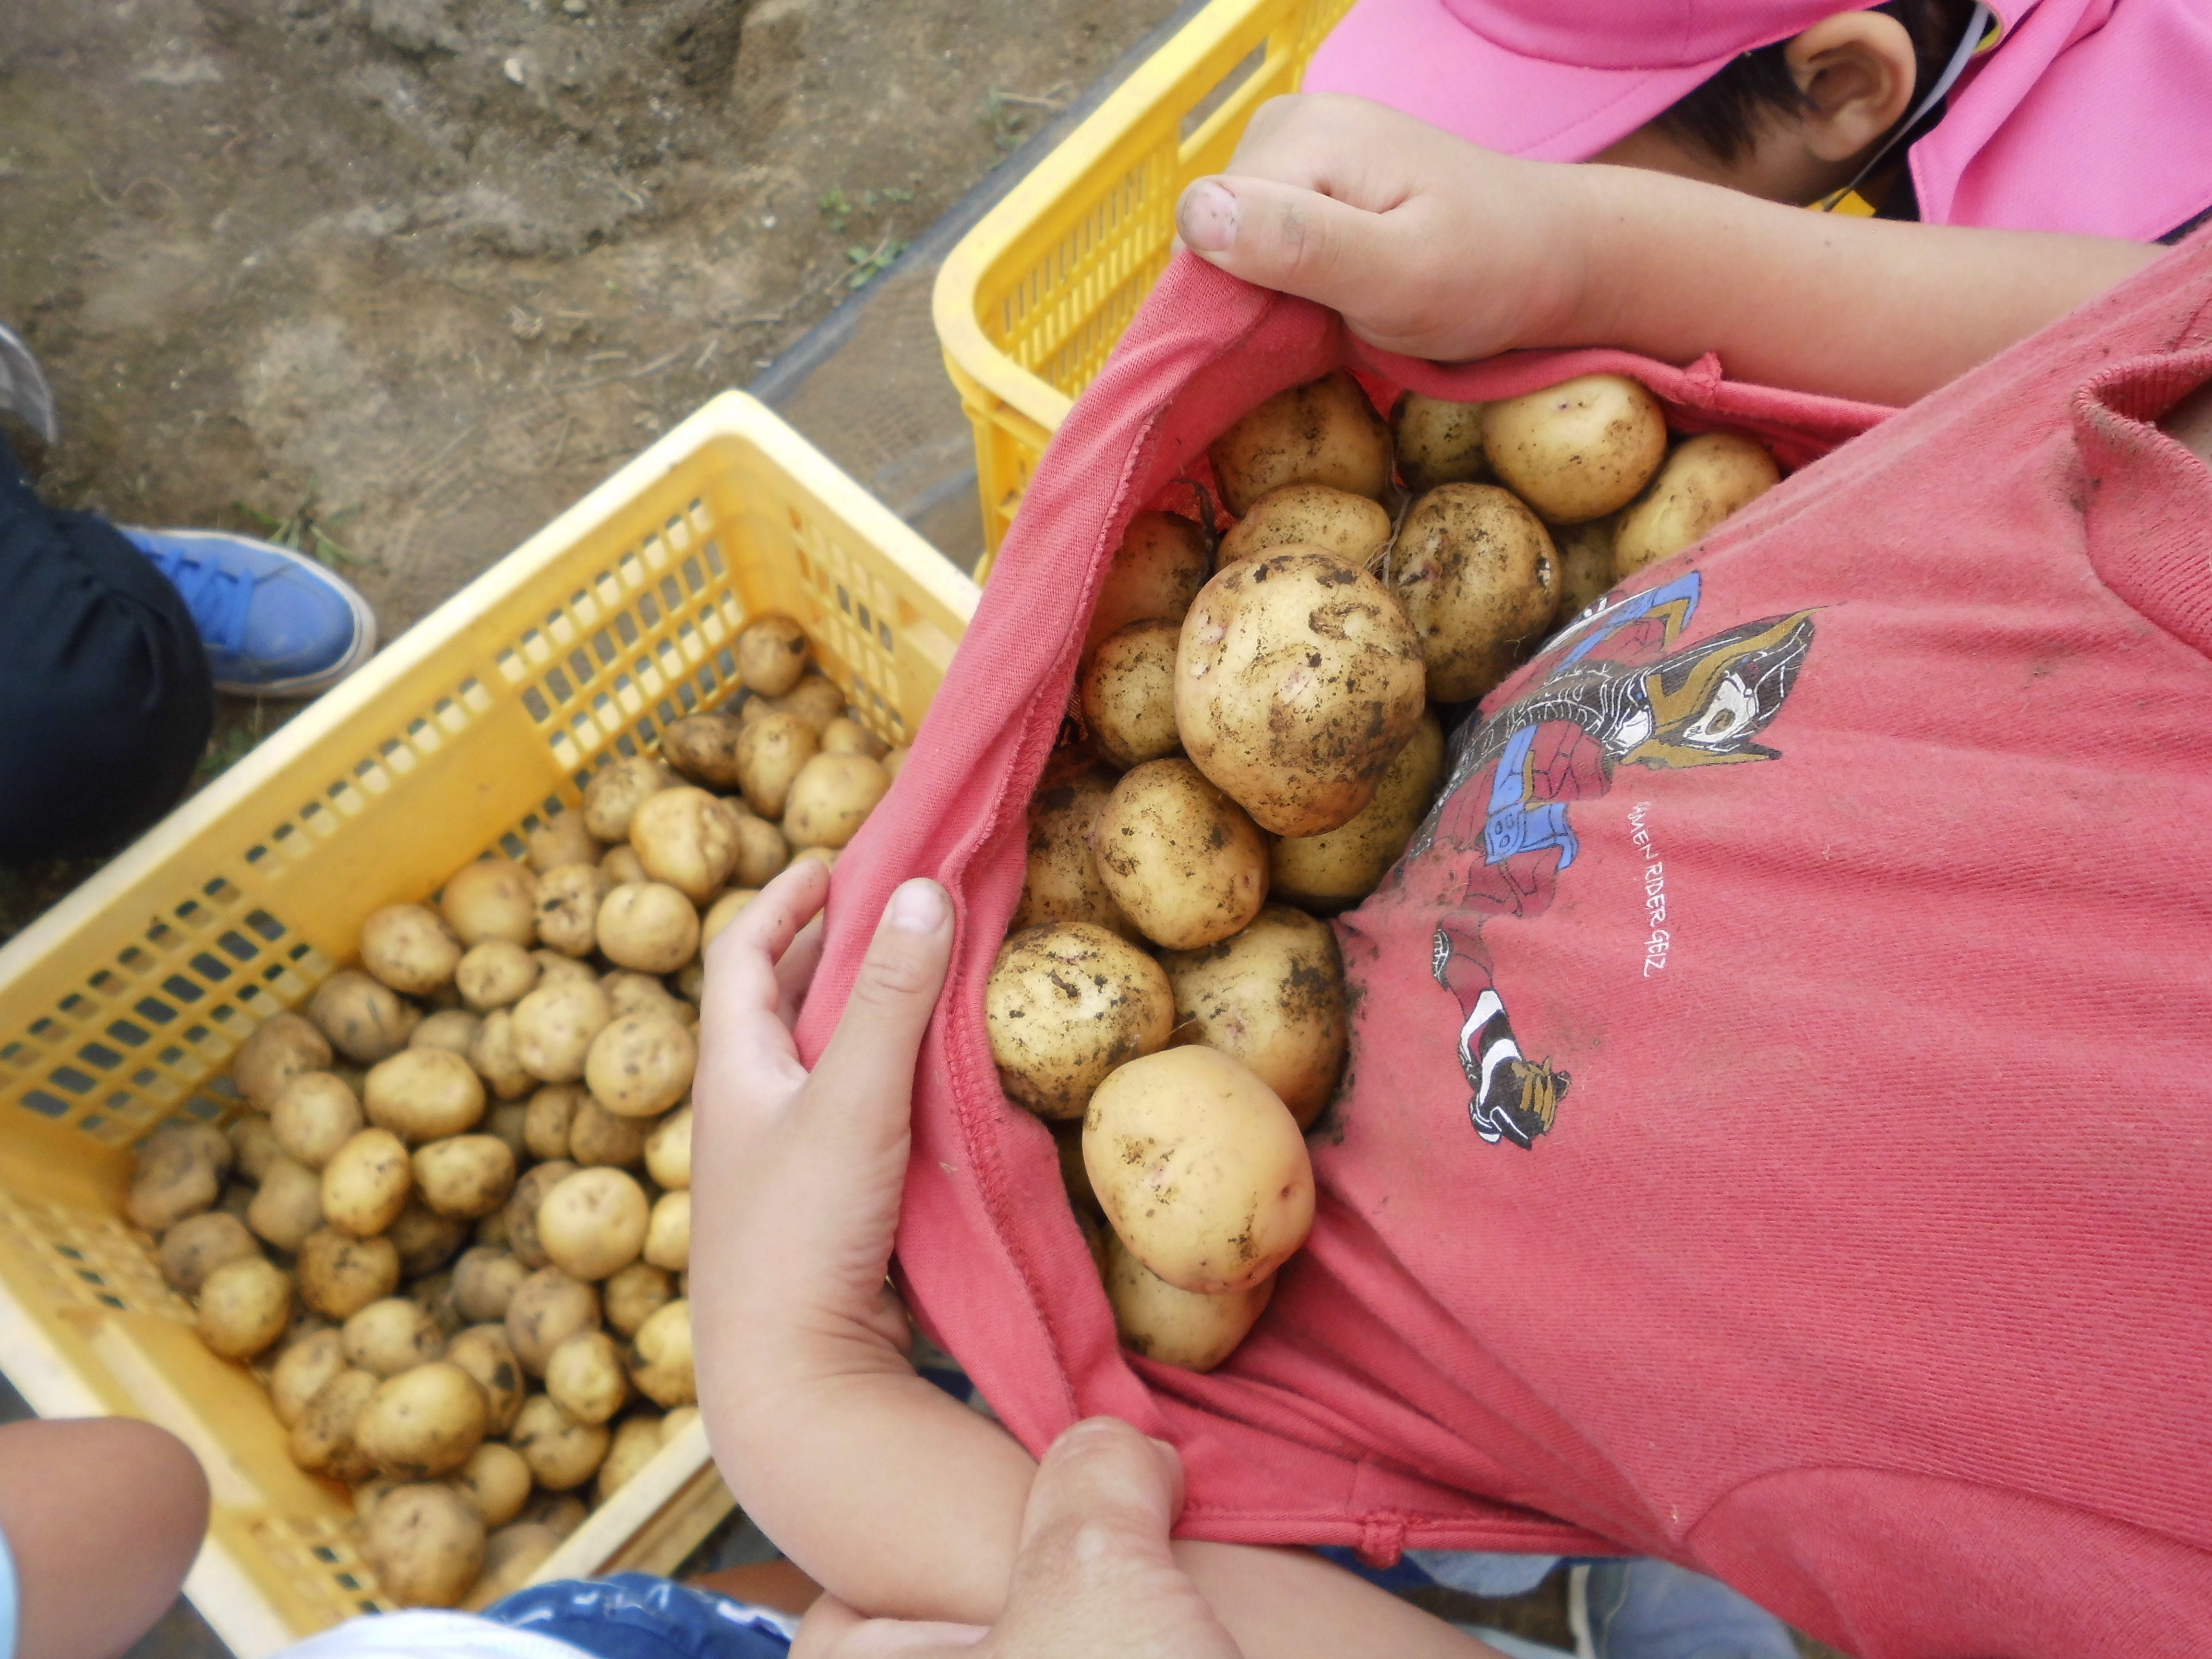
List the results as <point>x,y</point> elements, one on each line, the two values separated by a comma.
<point>275,624</point>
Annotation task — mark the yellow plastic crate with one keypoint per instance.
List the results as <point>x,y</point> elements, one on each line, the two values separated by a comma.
<point>1030,303</point>
<point>122,1008</point>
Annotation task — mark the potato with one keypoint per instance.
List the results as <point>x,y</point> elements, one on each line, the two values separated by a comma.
<point>365,1183</point>
<point>550,1111</point>
<point>427,1544</point>
<point>824,856</point>
<point>1341,867</point>
<point>1273,999</point>
<point>846,736</point>
<point>562,1452</point>
<point>601,1138</point>
<point>668,1150</point>
<point>722,912</point>
<point>641,1064</point>
<point>561,840</point>
<point>281,1047</point>
<point>1067,1142</point>
<point>594,1222</point>
<point>637,1439</point>
<point>300,1373</point>
<point>1200,1168</point>
<point>634,1294</point>
<point>426,1094</point>
<point>1181,858</point>
<point>423,1422</point>
<point>1156,571</point>
<point>490,1233</point>
<point>763,852</point>
<point>622,865</point>
<point>687,839</point>
<point>1183,1328</point>
<point>815,699</point>
<point>177,1171</point>
<point>566,909</point>
<point>561,1513</point>
<point>521,1211</point>
<point>199,1244</point>
<point>1437,442</point>
<point>1323,432</point>
<point>512,1555</point>
<point>585,1375</point>
<point>831,798</point>
<point>1126,693</point>
<point>617,789</point>
<point>1064,1005</point>
<point>410,948</point>
<point>1061,882</point>
<point>453,1030</point>
<point>770,752</point>
<point>548,1309</point>
<point>243,1306</point>
<point>1310,515</point>
<point>363,1017</point>
<point>1476,573</point>
<point>504,1122</point>
<point>1298,679</point>
<point>648,926</point>
<point>704,749</point>
<point>237,1196</point>
<point>674,1423</point>
<point>632,993</point>
<point>554,1027</point>
<point>464,1176</point>
<point>434,1295</point>
<point>496,1482</point>
<point>893,758</point>
<point>484,1281</point>
<point>555,968</point>
<point>315,1114</point>
<point>290,1205</point>
<point>660,1357</point>
<point>322,1439</point>
<point>253,1146</point>
<point>390,1336</point>
<point>771,654</point>
<point>668,1232</point>
<point>339,1275</point>
<point>1585,554</point>
<point>1578,450</point>
<point>486,1354</point>
<point>492,898</point>
<point>497,974</point>
<point>492,1057</point>
<point>1704,481</point>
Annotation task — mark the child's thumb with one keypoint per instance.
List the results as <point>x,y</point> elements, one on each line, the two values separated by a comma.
<point>872,1054</point>
<point>1283,237</point>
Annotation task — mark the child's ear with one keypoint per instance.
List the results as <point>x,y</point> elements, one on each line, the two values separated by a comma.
<point>1856,70</point>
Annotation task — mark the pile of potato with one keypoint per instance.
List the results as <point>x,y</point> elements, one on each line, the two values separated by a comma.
<point>452,1228</point>
<point>1253,722</point>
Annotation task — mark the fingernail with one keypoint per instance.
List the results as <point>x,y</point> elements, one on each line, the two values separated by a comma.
<point>1208,217</point>
<point>918,907</point>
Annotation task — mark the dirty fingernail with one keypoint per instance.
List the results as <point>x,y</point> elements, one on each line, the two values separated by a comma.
<point>918,907</point>
<point>1208,217</point>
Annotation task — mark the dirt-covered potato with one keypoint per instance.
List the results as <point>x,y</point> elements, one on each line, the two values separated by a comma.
<point>1061,882</point>
<point>724,911</point>
<point>548,1309</point>
<point>1184,1329</point>
<point>1437,442</point>
<point>244,1306</point>
<point>893,758</point>
<point>567,908</point>
<point>300,1371</point>
<point>1181,859</point>
<point>367,1182</point>
<point>1271,998</point>
<point>177,1171</point>
<point>634,1294</point>
<point>1298,679</point>
<point>560,1512</point>
<point>492,1057</point>
<point>497,974</point>
<point>593,1223</point>
<point>554,1026</point>
<point>550,1111</point>
<point>660,1357</point>
<point>364,1019</point>
<point>815,699</point>
<point>315,1114</point>
<point>622,865</point>
<point>485,1351</point>
<point>668,1233</point>
<point>586,1376</point>
<point>687,839</point>
<point>504,1122</point>
<point>771,653</point>
<point>393,1335</point>
<point>484,1282</point>
<point>1200,1168</point>
<point>425,1094</point>
<point>453,1030</point>
<point>648,926</point>
<point>831,798</point>
<point>1323,432</point>
<point>762,852</point>
<point>770,752</point>
<point>422,1422</point>
<point>668,1151</point>
<point>1585,552</point>
<point>632,993</point>
<point>1066,1003</point>
<point>562,1452</point>
<point>1476,574</point>
<point>846,736</point>
<point>1705,480</point>
<point>425,1239</point>
<point>322,1437</point>
<point>410,948</point>
<point>281,1047</point>
<point>492,898</point>
<point>1310,515</point>
<point>1578,450</point>
<point>561,840</point>
<point>464,1176</point>
<point>427,1544</point>
<point>521,1211</point>
<point>496,1482</point>
<point>641,1064</point>
<point>253,1146</point>
<point>1339,867</point>
<point>289,1205</point>
<point>704,749</point>
<point>1126,693</point>
<point>434,1294</point>
<point>339,1274</point>
<point>617,789</point>
<point>637,1439</point>
<point>199,1244</point>
<point>1156,571</point>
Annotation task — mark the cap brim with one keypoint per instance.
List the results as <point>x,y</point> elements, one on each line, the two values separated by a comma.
<point>1414,56</point>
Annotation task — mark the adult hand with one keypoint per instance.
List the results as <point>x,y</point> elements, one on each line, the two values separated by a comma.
<point>1094,1577</point>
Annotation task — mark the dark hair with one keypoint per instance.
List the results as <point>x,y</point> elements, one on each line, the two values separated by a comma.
<point>1724,116</point>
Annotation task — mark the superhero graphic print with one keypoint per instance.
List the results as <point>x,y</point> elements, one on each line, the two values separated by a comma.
<point>1618,688</point>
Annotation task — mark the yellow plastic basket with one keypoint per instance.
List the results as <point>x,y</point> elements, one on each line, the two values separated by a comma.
<point>122,1008</point>
<point>1030,303</point>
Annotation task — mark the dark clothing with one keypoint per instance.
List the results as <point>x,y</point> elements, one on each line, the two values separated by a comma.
<point>106,698</point>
